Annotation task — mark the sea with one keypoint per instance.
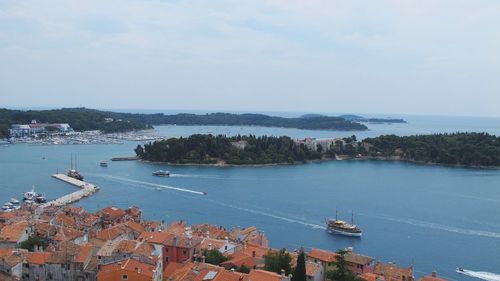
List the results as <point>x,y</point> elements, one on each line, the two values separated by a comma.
<point>432,217</point>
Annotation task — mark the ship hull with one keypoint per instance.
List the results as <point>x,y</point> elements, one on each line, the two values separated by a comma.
<point>344,233</point>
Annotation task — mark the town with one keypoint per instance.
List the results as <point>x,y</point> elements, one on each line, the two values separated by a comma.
<point>69,243</point>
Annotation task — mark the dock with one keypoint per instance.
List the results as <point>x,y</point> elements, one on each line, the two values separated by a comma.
<point>126,158</point>
<point>86,189</point>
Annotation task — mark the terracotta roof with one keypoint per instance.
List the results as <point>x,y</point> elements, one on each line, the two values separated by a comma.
<point>357,258</point>
<point>66,233</point>
<point>183,274</point>
<point>181,241</point>
<point>322,255</point>
<point>13,232</point>
<point>154,237</point>
<point>170,268</point>
<point>113,212</point>
<point>85,251</point>
<point>129,265</point>
<point>368,276</point>
<point>110,233</point>
<point>11,257</point>
<point>259,251</point>
<point>213,243</point>
<point>238,259</point>
<point>312,269</point>
<point>220,274</point>
<point>391,272</point>
<point>262,275</point>
<point>39,258</point>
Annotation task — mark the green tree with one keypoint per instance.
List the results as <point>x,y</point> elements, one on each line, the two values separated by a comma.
<point>277,261</point>
<point>30,243</point>
<point>214,257</point>
<point>341,271</point>
<point>243,269</point>
<point>299,273</point>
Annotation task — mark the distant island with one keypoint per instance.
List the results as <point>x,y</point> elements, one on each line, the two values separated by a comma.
<point>222,150</point>
<point>81,119</point>
<point>357,118</point>
<point>460,149</point>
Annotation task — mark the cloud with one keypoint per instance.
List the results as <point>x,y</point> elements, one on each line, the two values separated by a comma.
<point>276,54</point>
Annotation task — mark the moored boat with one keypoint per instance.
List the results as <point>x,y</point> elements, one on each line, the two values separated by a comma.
<point>30,195</point>
<point>161,173</point>
<point>14,201</point>
<point>336,226</point>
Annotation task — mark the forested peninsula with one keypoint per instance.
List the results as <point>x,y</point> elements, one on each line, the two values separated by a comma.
<point>238,150</point>
<point>81,119</point>
<point>460,149</point>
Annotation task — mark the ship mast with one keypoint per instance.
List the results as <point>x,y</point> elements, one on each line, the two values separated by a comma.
<point>71,155</point>
<point>336,214</point>
<point>352,217</point>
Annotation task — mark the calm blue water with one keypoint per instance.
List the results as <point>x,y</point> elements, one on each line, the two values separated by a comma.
<point>435,217</point>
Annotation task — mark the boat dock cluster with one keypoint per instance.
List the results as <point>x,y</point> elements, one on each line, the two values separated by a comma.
<point>86,189</point>
<point>87,137</point>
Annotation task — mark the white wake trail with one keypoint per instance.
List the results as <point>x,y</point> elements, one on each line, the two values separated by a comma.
<point>157,185</point>
<point>488,276</point>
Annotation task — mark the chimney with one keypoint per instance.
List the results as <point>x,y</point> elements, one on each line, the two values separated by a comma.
<point>209,246</point>
<point>434,273</point>
<point>282,274</point>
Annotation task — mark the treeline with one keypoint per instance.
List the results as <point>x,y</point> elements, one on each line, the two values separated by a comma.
<point>249,119</point>
<point>466,149</point>
<point>209,149</point>
<point>80,119</point>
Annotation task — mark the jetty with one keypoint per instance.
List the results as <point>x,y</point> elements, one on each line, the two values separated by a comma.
<point>126,158</point>
<point>86,189</point>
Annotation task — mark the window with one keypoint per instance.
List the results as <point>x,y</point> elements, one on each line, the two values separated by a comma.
<point>124,277</point>
<point>184,252</point>
<point>166,250</point>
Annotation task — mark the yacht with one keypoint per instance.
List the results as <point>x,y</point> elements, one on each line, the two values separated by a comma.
<point>30,195</point>
<point>40,198</point>
<point>14,201</point>
<point>336,226</point>
<point>161,173</point>
<point>8,207</point>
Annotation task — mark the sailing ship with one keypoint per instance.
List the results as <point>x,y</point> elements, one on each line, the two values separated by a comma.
<point>336,226</point>
<point>73,172</point>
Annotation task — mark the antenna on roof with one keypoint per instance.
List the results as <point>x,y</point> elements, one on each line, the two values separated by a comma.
<point>71,155</point>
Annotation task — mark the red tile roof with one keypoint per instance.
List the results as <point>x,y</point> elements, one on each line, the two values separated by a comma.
<point>322,255</point>
<point>13,232</point>
<point>39,258</point>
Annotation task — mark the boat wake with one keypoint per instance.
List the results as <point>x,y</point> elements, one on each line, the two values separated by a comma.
<point>480,275</point>
<point>431,225</point>
<point>257,212</point>
<point>127,180</point>
<point>196,176</point>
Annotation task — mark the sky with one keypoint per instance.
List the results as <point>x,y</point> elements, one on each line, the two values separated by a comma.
<point>439,57</point>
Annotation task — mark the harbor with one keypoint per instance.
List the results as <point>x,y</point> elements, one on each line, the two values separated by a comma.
<point>86,189</point>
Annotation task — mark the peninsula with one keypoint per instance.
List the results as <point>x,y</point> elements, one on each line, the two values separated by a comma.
<point>460,149</point>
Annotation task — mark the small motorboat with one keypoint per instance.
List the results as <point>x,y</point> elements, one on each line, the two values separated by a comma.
<point>14,201</point>
<point>40,198</point>
<point>103,164</point>
<point>460,269</point>
<point>161,173</point>
<point>7,206</point>
<point>158,189</point>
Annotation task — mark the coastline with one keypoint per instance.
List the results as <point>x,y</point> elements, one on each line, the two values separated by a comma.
<point>364,158</point>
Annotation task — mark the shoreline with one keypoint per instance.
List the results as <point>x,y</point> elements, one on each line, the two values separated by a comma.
<point>364,158</point>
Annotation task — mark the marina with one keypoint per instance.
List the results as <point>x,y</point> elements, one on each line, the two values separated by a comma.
<point>86,189</point>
